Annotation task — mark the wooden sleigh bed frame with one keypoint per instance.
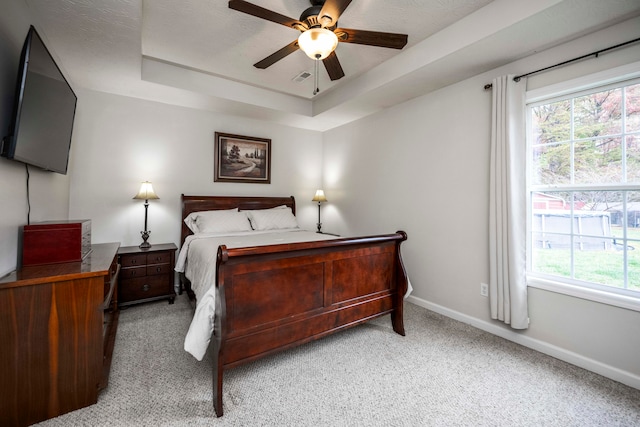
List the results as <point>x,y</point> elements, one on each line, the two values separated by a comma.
<point>271,298</point>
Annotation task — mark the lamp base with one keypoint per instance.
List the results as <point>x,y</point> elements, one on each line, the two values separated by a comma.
<point>145,237</point>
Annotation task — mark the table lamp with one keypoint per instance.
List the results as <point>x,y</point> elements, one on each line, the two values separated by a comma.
<point>319,197</point>
<point>146,193</point>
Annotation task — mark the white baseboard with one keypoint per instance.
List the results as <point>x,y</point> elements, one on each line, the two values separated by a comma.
<point>576,359</point>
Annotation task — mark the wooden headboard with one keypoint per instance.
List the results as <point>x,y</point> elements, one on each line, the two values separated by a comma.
<point>212,203</point>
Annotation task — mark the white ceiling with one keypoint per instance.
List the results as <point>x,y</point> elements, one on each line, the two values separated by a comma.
<point>199,53</point>
<point>207,35</point>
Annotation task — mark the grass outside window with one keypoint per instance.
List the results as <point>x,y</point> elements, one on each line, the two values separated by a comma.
<point>603,267</point>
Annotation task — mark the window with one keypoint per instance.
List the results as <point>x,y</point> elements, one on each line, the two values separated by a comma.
<point>583,189</point>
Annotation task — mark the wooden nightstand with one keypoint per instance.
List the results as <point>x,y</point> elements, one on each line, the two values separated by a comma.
<point>146,274</point>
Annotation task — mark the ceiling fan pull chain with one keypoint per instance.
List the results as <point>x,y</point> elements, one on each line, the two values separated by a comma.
<point>317,89</point>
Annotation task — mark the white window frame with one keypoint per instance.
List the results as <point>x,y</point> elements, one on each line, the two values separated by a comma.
<point>548,94</point>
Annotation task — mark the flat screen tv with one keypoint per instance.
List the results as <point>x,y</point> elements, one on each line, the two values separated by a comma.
<point>44,109</point>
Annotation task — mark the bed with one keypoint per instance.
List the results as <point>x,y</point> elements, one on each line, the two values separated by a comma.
<point>259,298</point>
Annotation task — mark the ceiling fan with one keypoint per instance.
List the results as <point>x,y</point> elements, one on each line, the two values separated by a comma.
<point>319,24</point>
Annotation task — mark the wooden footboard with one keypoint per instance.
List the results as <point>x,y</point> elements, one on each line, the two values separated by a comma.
<point>271,298</point>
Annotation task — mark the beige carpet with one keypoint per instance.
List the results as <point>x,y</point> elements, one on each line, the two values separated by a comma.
<point>443,373</point>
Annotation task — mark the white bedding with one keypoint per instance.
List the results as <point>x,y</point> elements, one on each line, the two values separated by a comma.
<point>197,259</point>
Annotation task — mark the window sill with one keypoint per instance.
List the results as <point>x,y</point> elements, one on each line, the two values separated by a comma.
<point>622,301</point>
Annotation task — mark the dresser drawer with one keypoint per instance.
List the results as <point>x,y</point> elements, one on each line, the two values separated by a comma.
<point>141,288</point>
<point>110,285</point>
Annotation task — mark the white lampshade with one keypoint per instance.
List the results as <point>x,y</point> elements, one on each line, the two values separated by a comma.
<point>319,197</point>
<point>318,43</point>
<point>146,192</point>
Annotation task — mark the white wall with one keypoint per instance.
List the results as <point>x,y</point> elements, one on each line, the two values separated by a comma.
<point>122,141</point>
<point>49,192</point>
<point>423,167</point>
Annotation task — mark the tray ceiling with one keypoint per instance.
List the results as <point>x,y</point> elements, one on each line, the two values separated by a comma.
<point>200,53</point>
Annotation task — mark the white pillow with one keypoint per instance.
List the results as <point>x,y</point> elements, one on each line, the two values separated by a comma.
<point>266,209</point>
<point>223,222</point>
<point>190,220</point>
<point>248,211</point>
<point>218,221</point>
<point>272,219</point>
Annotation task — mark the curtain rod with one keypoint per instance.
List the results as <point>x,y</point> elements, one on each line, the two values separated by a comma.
<point>595,54</point>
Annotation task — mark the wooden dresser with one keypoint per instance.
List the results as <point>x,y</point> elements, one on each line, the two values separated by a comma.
<point>57,328</point>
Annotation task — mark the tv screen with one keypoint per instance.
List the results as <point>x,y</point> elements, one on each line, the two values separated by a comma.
<point>45,105</point>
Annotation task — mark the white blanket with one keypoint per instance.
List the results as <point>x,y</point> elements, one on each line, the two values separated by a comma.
<point>197,259</point>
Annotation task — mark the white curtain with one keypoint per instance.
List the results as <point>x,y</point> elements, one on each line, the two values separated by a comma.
<point>507,204</point>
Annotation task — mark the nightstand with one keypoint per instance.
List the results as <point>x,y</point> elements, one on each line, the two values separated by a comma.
<point>146,274</point>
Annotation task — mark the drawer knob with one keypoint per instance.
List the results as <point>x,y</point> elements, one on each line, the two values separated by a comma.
<point>145,288</point>
<point>158,269</point>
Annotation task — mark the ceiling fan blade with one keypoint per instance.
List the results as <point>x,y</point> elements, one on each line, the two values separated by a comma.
<point>332,9</point>
<point>261,12</point>
<point>334,69</point>
<point>371,38</point>
<point>277,56</point>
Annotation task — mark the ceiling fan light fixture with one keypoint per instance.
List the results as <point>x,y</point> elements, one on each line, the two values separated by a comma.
<point>318,43</point>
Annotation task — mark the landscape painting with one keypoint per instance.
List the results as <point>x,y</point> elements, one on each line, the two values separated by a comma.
<point>242,159</point>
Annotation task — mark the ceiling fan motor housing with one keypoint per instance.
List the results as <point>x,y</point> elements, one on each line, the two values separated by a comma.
<point>311,18</point>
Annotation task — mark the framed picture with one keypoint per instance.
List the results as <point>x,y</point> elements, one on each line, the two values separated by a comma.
<point>242,159</point>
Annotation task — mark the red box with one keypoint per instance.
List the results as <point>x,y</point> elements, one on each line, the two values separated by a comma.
<point>53,242</point>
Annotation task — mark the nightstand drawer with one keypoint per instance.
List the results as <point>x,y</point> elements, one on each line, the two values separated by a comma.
<point>133,260</point>
<point>131,272</point>
<point>142,288</point>
<point>159,258</point>
<point>153,270</point>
